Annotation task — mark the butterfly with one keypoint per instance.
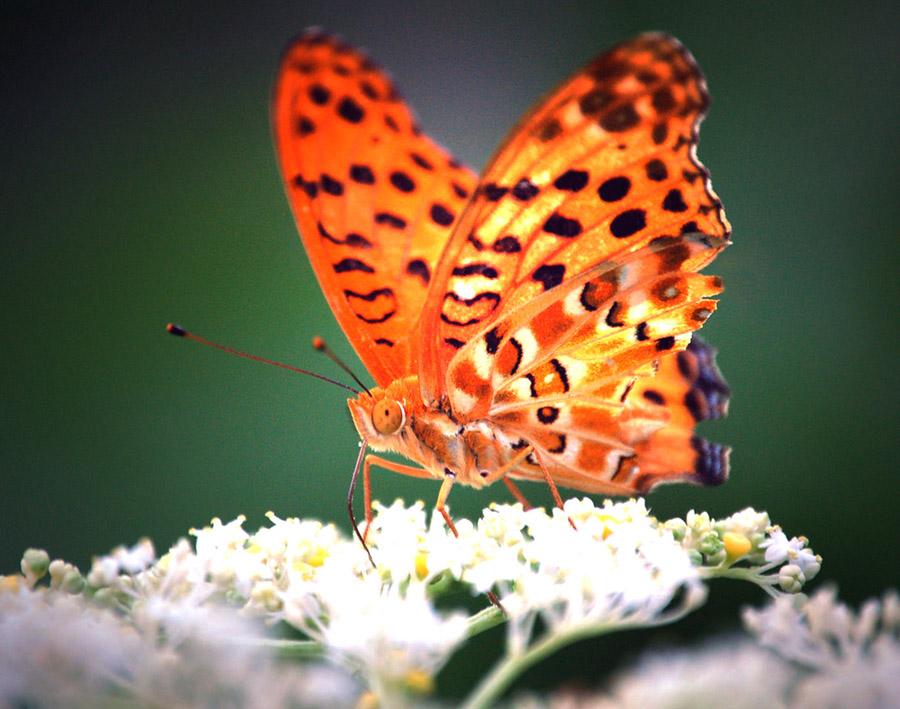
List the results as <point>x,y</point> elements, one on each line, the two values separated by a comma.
<point>534,323</point>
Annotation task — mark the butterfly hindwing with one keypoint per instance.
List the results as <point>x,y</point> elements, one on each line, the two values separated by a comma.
<point>375,200</point>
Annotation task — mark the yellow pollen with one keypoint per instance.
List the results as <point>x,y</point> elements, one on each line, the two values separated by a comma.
<point>421,562</point>
<point>419,681</point>
<point>10,584</point>
<point>317,558</point>
<point>307,571</point>
<point>368,700</point>
<point>736,545</point>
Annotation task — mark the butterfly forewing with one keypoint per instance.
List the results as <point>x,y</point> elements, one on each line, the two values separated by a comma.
<point>604,166</point>
<point>375,200</point>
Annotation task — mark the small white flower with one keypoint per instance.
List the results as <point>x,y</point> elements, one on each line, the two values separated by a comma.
<point>854,659</point>
<point>791,578</point>
<point>779,548</point>
<point>749,522</point>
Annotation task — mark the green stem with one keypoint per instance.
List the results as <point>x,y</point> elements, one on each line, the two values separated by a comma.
<point>742,573</point>
<point>300,649</point>
<point>484,619</point>
<point>490,689</point>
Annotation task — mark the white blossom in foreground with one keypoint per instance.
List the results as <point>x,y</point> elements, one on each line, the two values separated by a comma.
<point>733,673</point>
<point>849,659</point>
<point>191,623</point>
<point>63,650</point>
<point>809,653</point>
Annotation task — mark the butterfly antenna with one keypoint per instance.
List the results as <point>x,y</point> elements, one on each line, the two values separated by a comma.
<point>320,345</point>
<point>179,331</point>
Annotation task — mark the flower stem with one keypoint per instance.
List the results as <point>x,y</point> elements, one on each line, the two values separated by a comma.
<point>301,649</point>
<point>490,689</point>
<point>484,619</point>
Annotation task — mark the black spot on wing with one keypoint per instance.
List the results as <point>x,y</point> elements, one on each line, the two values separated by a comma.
<point>572,180</point>
<point>304,126</point>
<point>620,119</point>
<point>350,110</point>
<point>440,215</point>
<point>615,312</point>
<point>402,181</point>
<point>525,190</point>
<point>476,269</point>
<point>532,390</point>
<point>665,343</point>
<point>459,190</point>
<point>656,170</point>
<point>549,275</point>
<point>357,241</point>
<point>362,174</point>
<point>594,101</point>
<point>560,447</point>
<point>558,225</point>
<point>349,265</point>
<point>654,397</point>
<point>628,223</point>
<point>614,189</point>
<point>371,297</point>
<point>506,245</point>
<point>663,100</point>
<point>517,346</point>
<point>640,332</point>
<point>547,414</point>
<point>417,267</point>
<point>659,133</point>
<point>561,373</point>
<point>421,161</point>
<point>492,192</point>
<point>674,201</point>
<point>368,90</point>
<point>492,341</point>
<point>318,94</point>
<point>391,220</point>
<point>331,186</point>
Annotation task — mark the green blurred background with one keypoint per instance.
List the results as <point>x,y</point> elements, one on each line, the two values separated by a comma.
<point>139,186</point>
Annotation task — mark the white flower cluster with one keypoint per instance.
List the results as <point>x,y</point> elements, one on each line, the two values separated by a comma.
<point>586,569</point>
<point>747,546</point>
<point>61,648</point>
<point>582,567</point>
<point>811,653</point>
<point>850,659</point>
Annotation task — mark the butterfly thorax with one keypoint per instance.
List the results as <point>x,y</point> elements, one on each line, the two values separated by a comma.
<point>428,435</point>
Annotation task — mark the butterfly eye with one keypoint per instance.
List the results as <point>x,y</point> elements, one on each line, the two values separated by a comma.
<point>388,416</point>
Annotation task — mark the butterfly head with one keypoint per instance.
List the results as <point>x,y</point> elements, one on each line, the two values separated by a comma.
<point>384,413</point>
<point>388,416</point>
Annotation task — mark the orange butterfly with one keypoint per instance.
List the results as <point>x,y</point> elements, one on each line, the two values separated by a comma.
<point>534,323</point>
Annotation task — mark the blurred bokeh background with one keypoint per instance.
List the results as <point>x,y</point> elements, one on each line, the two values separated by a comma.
<point>138,186</point>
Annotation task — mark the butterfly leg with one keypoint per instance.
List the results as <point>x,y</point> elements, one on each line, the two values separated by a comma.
<point>517,493</point>
<point>500,473</point>
<point>359,463</point>
<point>553,489</point>
<point>441,501</point>
<point>386,465</point>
